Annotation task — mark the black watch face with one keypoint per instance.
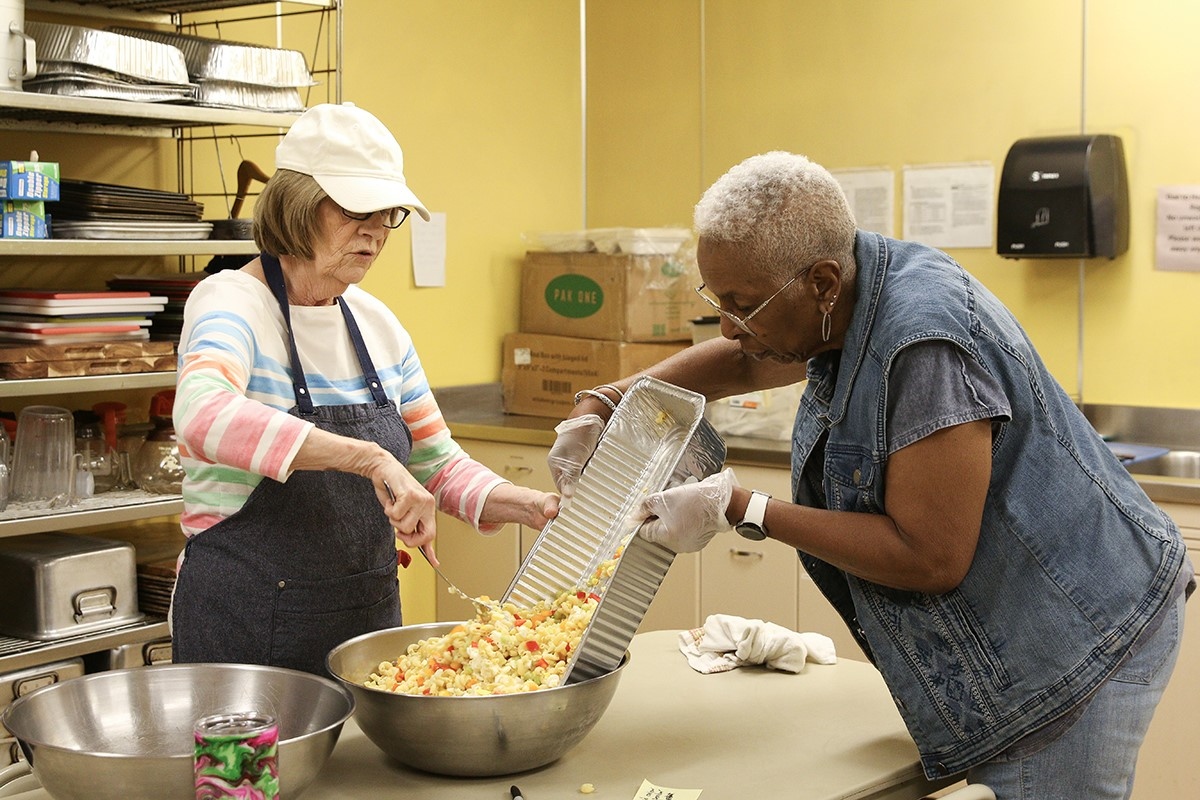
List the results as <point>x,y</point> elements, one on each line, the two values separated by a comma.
<point>751,531</point>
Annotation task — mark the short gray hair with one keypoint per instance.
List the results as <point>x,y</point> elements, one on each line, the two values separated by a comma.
<point>785,211</point>
<point>285,216</point>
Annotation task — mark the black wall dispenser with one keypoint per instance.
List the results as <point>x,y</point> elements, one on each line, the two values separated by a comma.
<point>1063,196</point>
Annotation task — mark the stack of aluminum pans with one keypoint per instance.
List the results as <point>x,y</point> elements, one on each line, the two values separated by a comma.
<point>235,74</point>
<point>656,438</point>
<point>85,62</point>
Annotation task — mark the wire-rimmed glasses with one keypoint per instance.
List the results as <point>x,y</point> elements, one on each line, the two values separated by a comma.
<point>740,322</point>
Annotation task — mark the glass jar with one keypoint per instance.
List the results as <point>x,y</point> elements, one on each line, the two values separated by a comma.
<point>156,465</point>
<point>94,452</point>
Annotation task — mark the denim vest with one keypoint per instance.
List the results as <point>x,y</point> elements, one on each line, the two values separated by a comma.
<point>1073,559</point>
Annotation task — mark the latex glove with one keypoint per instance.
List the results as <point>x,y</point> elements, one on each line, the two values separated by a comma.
<point>685,518</point>
<point>577,438</point>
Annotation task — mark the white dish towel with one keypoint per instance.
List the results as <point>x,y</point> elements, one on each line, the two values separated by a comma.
<point>726,642</point>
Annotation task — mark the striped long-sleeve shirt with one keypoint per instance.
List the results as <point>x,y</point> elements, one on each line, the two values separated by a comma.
<point>234,389</point>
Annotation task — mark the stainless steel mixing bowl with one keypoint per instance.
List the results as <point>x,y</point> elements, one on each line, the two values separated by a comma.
<point>466,736</point>
<point>127,734</point>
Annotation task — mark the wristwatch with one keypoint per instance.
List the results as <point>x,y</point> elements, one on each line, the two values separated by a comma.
<point>751,525</point>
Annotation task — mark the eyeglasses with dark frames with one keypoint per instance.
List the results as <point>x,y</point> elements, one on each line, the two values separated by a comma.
<point>740,322</point>
<point>392,217</point>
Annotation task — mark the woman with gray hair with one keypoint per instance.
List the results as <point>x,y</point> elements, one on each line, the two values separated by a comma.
<point>311,442</point>
<point>1021,596</point>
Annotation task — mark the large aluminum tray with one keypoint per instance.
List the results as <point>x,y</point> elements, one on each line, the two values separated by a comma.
<point>225,94</point>
<point>65,85</point>
<point>656,438</point>
<point>218,60</point>
<point>182,231</point>
<point>136,59</point>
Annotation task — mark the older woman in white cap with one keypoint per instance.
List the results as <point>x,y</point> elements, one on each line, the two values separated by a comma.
<point>309,434</point>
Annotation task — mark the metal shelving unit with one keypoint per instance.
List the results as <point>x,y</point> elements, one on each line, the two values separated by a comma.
<point>36,387</point>
<point>35,248</point>
<point>16,654</point>
<point>48,112</point>
<point>105,509</point>
<point>38,112</point>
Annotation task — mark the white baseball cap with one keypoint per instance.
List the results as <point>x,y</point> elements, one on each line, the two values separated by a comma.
<point>351,155</point>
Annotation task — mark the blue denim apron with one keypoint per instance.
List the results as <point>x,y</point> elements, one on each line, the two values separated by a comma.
<point>306,564</point>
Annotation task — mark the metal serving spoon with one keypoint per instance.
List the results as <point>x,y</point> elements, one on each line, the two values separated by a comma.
<point>483,605</point>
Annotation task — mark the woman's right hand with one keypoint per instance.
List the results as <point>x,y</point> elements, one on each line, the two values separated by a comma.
<point>409,506</point>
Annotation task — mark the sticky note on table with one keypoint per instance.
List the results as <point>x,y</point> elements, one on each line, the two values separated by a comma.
<point>648,791</point>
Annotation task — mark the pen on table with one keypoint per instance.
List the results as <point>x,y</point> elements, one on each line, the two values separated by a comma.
<point>516,793</point>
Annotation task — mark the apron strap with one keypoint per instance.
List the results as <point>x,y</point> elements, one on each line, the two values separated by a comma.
<point>275,280</point>
<point>364,358</point>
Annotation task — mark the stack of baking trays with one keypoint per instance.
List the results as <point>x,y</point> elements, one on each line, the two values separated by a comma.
<point>167,325</point>
<point>90,210</point>
<point>155,584</point>
<point>657,438</point>
<point>235,74</point>
<point>85,62</point>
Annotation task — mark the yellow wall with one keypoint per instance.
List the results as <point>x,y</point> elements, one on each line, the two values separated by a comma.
<point>485,98</point>
<point>878,83</point>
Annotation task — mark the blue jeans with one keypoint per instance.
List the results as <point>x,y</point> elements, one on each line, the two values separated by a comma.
<point>1093,753</point>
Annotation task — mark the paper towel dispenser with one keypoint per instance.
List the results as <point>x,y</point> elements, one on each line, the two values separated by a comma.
<point>1063,196</point>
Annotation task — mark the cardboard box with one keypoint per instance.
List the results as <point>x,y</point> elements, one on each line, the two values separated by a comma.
<point>24,219</point>
<point>29,180</point>
<point>540,374</point>
<point>620,297</point>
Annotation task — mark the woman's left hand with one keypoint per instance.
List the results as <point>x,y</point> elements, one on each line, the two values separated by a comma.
<point>685,518</point>
<point>510,503</point>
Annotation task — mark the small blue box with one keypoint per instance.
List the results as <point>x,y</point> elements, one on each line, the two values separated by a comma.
<point>29,180</point>
<point>25,219</point>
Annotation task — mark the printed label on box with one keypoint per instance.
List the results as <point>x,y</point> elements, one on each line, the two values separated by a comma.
<point>574,296</point>
<point>29,180</point>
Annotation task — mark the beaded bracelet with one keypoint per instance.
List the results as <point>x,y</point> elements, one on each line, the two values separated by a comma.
<point>598,395</point>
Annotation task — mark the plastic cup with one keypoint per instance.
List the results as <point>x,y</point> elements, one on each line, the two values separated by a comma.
<point>44,456</point>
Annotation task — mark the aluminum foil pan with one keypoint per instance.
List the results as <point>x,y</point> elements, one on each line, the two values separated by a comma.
<point>135,59</point>
<point>66,84</point>
<point>224,94</point>
<point>217,60</point>
<point>657,438</point>
<point>176,231</point>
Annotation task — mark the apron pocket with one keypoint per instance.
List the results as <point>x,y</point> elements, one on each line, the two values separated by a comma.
<point>311,617</point>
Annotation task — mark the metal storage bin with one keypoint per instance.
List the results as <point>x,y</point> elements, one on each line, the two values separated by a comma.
<point>54,585</point>
<point>139,654</point>
<point>22,682</point>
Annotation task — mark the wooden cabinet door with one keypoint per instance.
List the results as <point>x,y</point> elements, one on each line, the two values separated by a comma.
<point>478,564</point>
<point>1165,764</point>
<point>756,580</point>
<point>675,605</point>
<point>811,611</point>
